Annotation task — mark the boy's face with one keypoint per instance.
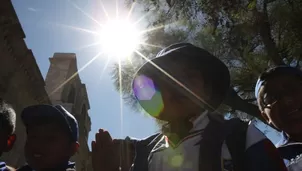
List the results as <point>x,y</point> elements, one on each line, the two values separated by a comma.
<point>282,103</point>
<point>48,146</point>
<point>176,105</point>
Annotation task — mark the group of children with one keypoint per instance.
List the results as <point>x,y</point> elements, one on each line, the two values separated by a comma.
<point>182,86</point>
<point>52,137</point>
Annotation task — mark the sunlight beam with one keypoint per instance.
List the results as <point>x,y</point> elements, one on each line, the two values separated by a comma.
<point>176,81</point>
<point>130,11</point>
<point>105,66</point>
<point>156,28</point>
<point>76,28</point>
<point>151,29</point>
<point>147,44</point>
<point>104,10</point>
<point>140,19</point>
<point>76,73</point>
<point>121,105</point>
<point>86,14</point>
<point>121,95</point>
<point>88,46</point>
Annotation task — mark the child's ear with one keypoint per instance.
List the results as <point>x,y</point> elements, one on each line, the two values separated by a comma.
<point>10,142</point>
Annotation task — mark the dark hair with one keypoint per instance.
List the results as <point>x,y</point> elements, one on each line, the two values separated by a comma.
<point>7,117</point>
<point>273,73</point>
<point>281,70</point>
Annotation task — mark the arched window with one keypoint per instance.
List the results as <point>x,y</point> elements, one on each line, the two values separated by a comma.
<point>71,95</point>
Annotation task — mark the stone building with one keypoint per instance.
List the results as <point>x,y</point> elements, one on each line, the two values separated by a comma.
<point>64,87</point>
<point>22,84</point>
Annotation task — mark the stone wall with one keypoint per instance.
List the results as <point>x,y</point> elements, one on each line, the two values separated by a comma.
<point>21,83</point>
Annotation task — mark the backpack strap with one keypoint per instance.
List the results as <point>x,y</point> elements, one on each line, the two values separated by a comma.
<point>210,146</point>
<point>143,149</point>
<point>236,141</point>
<point>216,133</point>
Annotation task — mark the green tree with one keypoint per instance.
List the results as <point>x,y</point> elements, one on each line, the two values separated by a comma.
<point>248,35</point>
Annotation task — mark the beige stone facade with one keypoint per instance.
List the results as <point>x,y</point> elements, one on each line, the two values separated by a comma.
<point>64,87</point>
<point>21,84</point>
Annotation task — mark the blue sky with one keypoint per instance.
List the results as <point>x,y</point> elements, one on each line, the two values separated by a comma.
<point>45,25</point>
<point>42,23</point>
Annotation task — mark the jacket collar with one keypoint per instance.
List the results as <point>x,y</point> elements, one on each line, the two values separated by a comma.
<point>286,141</point>
<point>199,123</point>
<point>3,166</point>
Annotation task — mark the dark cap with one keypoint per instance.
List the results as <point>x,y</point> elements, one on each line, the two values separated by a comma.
<point>210,66</point>
<point>57,112</point>
<point>280,70</point>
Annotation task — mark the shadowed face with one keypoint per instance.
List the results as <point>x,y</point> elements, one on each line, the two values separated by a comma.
<point>48,146</point>
<point>164,98</point>
<point>281,103</point>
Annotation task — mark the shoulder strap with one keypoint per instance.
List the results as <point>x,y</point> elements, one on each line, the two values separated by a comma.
<point>142,152</point>
<point>219,130</point>
<point>236,141</point>
<point>24,168</point>
<point>210,146</point>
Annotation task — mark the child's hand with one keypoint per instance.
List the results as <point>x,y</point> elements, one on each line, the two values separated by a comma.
<point>105,157</point>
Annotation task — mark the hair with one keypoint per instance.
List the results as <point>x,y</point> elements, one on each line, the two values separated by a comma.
<point>273,73</point>
<point>7,117</point>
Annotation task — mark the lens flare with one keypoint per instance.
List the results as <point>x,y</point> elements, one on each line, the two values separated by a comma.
<point>148,95</point>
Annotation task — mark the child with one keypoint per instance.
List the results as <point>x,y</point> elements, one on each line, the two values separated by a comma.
<point>52,138</point>
<point>7,129</point>
<point>279,96</point>
<point>183,86</point>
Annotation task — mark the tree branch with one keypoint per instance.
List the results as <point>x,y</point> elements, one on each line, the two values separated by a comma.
<point>265,33</point>
<point>235,102</point>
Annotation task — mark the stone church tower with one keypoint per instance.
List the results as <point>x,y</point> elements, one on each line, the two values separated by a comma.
<point>64,87</point>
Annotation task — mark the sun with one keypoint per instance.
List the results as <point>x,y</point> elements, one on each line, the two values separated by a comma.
<point>119,38</point>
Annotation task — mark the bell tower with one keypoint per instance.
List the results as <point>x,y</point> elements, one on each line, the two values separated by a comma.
<point>64,87</point>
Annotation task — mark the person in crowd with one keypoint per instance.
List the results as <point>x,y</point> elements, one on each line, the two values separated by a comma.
<point>279,96</point>
<point>7,129</point>
<point>183,86</point>
<point>52,138</point>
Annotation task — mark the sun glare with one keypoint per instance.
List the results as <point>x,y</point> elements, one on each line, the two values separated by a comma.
<point>119,38</point>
